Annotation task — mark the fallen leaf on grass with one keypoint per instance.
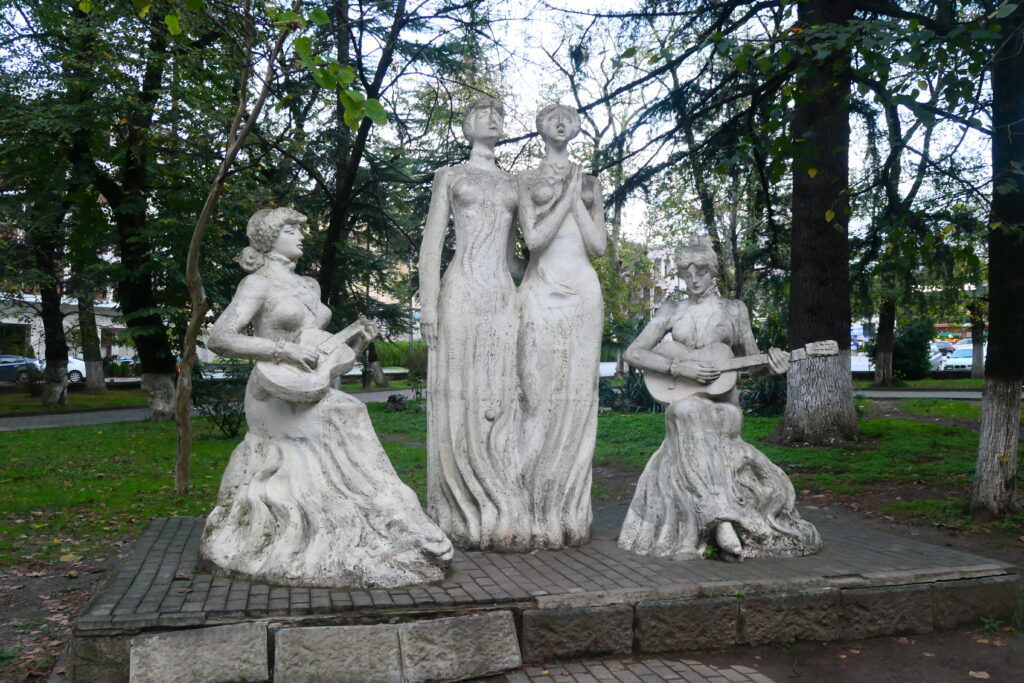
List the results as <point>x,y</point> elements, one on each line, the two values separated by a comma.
<point>842,657</point>
<point>928,654</point>
<point>854,652</point>
<point>978,674</point>
<point>903,639</point>
<point>70,557</point>
<point>983,641</point>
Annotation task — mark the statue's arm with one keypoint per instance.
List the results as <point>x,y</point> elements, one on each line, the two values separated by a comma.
<point>430,251</point>
<point>641,354</point>
<point>591,221</point>
<point>778,362</point>
<point>538,233</point>
<point>228,338</point>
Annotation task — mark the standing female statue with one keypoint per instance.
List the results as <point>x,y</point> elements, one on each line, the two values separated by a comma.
<point>705,485</point>
<point>561,214</point>
<point>468,320</point>
<point>309,498</point>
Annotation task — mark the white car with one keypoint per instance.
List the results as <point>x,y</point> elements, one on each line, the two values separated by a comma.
<point>76,369</point>
<point>963,357</point>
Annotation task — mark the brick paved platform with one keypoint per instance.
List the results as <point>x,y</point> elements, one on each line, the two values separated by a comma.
<point>594,601</point>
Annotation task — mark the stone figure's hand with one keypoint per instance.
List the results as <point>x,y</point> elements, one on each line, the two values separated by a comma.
<point>778,361</point>
<point>369,329</point>
<point>428,330</point>
<point>705,373</point>
<point>301,355</point>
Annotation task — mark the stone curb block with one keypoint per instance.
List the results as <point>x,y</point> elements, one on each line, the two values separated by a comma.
<point>676,625</point>
<point>810,615</point>
<point>871,612</point>
<point>966,602</point>
<point>203,655</point>
<point>459,647</point>
<point>356,654</point>
<point>565,633</point>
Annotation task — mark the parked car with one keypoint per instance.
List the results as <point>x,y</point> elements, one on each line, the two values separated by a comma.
<point>76,369</point>
<point>963,357</point>
<point>16,368</point>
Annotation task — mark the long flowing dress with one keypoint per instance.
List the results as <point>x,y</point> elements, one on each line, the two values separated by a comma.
<point>309,498</point>
<point>561,318</point>
<point>704,473</point>
<point>474,473</point>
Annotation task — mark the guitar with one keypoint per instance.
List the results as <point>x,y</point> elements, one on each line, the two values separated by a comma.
<point>299,383</point>
<point>666,388</point>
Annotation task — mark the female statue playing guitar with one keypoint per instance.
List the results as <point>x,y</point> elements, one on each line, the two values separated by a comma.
<point>705,485</point>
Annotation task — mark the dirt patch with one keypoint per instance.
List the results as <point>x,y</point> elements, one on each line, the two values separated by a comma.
<point>38,605</point>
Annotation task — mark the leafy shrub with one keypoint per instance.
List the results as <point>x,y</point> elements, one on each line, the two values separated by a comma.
<point>764,398</point>
<point>222,399</point>
<point>630,397</point>
<point>395,354</point>
<point>911,351</point>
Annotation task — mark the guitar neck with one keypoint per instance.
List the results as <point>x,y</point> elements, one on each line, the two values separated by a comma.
<point>748,362</point>
<point>336,340</point>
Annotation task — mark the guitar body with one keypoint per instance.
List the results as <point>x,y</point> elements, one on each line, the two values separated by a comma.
<point>300,383</point>
<point>666,388</point>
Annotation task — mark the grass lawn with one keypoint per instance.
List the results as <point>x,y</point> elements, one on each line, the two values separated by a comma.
<point>71,492</point>
<point>21,402</point>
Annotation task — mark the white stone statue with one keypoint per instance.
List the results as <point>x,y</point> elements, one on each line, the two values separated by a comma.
<point>469,321</point>
<point>561,215</point>
<point>309,498</point>
<point>705,486</point>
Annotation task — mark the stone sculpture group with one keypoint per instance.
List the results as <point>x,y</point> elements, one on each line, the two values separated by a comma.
<point>309,498</point>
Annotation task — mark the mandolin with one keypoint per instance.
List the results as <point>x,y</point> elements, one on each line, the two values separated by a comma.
<point>666,388</point>
<point>299,383</point>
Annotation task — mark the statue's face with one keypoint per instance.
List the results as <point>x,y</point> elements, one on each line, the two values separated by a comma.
<point>558,125</point>
<point>485,124</point>
<point>698,278</point>
<point>289,241</point>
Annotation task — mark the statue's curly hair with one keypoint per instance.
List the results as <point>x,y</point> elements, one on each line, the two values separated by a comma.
<point>262,231</point>
<point>698,251</point>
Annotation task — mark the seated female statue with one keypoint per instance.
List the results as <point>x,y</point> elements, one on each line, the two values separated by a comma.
<point>309,498</point>
<point>705,486</point>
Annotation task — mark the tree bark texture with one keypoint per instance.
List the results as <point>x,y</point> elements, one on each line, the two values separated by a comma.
<point>46,247</point>
<point>883,351</point>
<point>995,477</point>
<point>820,407</point>
<point>978,347</point>
<point>94,379</point>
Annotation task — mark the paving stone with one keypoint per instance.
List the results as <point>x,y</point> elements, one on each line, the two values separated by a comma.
<point>356,654</point>
<point>965,603</point>
<point>677,625</point>
<point>811,615</point>
<point>871,612</point>
<point>459,647</point>
<point>204,655</point>
<point>552,634</point>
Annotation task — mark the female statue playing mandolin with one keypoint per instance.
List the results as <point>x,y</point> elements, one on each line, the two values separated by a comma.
<point>309,498</point>
<point>705,485</point>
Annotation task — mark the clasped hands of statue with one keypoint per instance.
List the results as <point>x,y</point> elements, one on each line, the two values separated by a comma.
<point>705,372</point>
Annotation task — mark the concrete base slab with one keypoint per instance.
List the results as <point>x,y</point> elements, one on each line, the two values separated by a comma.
<point>596,600</point>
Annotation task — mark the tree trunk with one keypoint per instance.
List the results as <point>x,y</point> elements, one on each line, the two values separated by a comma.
<point>159,387</point>
<point>94,379</point>
<point>820,408</point>
<point>996,472</point>
<point>47,246</point>
<point>379,378</point>
<point>977,347</point>
<point>883,351</point>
